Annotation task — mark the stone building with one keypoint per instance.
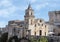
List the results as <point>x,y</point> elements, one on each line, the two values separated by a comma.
<point>54,17</point>
<point>28,27</point>
<point>16,28</point>
<point>54,20</point>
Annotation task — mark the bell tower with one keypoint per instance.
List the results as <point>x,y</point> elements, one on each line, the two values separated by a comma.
<point>29,16</point>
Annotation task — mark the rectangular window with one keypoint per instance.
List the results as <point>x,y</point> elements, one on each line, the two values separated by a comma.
<point>35,33</point>
<point>40,32</point>
<point>31,22</point>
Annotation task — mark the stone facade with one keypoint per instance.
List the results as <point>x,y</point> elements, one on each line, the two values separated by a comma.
<point>30,25</point>
<point>54,20</point>
<point>16,28</point>
<point>54,17</point>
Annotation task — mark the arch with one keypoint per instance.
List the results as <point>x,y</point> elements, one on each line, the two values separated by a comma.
<point>40,32</point>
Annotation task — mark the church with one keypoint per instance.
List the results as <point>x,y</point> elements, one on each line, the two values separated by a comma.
<point>30,26</point>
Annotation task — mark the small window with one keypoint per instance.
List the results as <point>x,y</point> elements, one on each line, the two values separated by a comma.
<point>18,31</point>
<point>35,25</point>
<point>45,26</point>
<point>35,33</point>
<point>31,22</point>
<point>53,30</point>
<point>20,25</point>
<point>40,20</point>
<point>31,13</point>
<point>42,24</point>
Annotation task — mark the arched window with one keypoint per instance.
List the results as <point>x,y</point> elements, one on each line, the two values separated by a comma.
<point>31,13</point>
<point>40,20</point>
<point>35,25</point>
<point>40,32</point>
<point>45,26</point>
<point>35,33</point>
<point>42,24</point>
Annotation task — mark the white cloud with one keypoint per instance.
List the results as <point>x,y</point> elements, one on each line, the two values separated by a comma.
<point>8,10</point>
<point>5,12</point>
<point>22,8</point>
<point>54,5</point>
<point>40,6</point>
<point>5,3</point>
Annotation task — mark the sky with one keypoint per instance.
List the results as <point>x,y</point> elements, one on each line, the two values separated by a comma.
<point>15,9</point>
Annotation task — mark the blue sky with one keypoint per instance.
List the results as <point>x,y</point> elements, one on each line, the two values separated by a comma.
<point>15,9</point>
